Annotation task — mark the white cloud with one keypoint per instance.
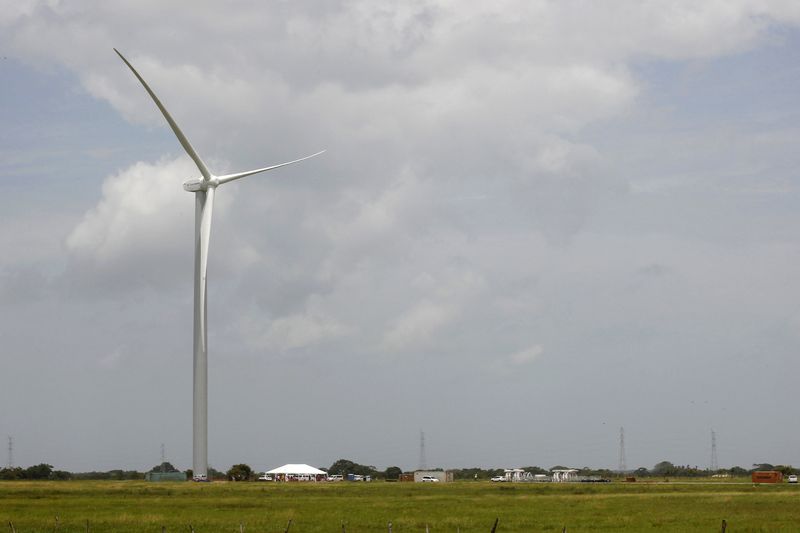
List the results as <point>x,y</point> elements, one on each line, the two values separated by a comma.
<point>526,356</point>
<point>445,301</point>
<point>138,208</point>
<point>292,332</point>
<point>474,195</point>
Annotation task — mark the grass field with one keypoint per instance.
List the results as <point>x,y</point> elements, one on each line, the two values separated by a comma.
<point>128,506</point>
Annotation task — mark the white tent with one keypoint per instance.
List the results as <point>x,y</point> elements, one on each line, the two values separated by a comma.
<point>296,470</point>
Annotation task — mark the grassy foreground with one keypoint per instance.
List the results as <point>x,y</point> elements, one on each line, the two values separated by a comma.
<point>128,506</point>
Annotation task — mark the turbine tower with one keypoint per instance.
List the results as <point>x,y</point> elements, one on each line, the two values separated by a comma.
<point>204,189</point>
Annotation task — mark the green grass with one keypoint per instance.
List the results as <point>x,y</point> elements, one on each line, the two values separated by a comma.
<point>128,506</point>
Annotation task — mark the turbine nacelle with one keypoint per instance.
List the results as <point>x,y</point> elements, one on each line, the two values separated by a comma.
<point>198,184</point>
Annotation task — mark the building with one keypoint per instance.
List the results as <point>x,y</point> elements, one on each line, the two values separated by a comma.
<point>562,476</point>
<point>298,472</point>
<point>441,475</point>
<point>514,474</point>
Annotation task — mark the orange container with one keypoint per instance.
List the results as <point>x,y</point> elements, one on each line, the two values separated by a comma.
<point>767,476</point>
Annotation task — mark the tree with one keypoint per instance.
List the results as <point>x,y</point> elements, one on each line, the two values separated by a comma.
<point>11,474</point>
<point>786,470</point>
<point>664,468</point>
<point>345,466</point>
<point>40,471</point>
<point>166,466</point>
<point>738,471</point>
<point>61,475</point>
<point>240,472</point>
<point>393,472</point>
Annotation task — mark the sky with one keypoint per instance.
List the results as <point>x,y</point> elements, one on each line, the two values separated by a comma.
<point>535,223</point>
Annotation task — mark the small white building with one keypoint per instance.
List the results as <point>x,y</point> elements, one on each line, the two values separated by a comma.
<point>298,472</point>
<point>562,476</point>
<point>514,474</point>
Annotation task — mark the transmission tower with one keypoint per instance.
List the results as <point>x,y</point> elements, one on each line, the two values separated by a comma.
<point>10,451</point>
<point>714,462</point>
<point>163,458</point>
<point>622,466</point>
<point>423,464</point>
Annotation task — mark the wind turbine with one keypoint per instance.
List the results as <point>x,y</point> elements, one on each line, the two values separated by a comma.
<point>204,189</point>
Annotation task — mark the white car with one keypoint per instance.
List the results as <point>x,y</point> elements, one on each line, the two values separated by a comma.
<point>264,477</point>
<point>792,478</point>
<point>429,479</point>
<point>498,479</point>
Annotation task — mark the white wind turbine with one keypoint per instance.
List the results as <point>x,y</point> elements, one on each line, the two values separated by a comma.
<point>204,189</point>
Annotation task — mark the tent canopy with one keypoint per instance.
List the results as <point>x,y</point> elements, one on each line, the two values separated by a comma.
<point>297,470</point>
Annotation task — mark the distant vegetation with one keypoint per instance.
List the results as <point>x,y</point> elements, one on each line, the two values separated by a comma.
<point>243,472</point>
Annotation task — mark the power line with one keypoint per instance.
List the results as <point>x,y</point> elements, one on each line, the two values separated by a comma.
<point>622,467</point>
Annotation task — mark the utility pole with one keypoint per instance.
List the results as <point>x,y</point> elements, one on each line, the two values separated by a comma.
<point>622,466</point>
<point>10,452</point>
<point>714,462</point>
<point>423,464</point>
<point>163,458</point>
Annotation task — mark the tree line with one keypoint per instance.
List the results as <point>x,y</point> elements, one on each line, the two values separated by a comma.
<point>343,467</point>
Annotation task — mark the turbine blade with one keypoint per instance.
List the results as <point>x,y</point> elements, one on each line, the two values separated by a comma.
<point>230,177</point>
<point>178,133</point>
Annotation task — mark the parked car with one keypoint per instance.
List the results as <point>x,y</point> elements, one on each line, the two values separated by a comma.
<point>265,477</point>
<point>429,479</point>
<point>336,477</point>
<point>498,479</point>
<point>792,478</point>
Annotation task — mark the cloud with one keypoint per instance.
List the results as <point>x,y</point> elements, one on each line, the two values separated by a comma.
<point>526,356</point>
<point>445,301</point>
<point>496,173</point>
<point>138,235</point>
<point>112,359</point>
<point>292,332</point>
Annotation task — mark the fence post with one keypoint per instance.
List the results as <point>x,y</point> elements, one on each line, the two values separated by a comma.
<point>87,525</point>
<point>426,529</point>
<point>288,525</point>
<point>390,527</point>
<point>344,530</point>
<point>494,527</point>
<point>241,527</point>
<point>11,525</point>
<point>191,528</point>
<point>724,525</point>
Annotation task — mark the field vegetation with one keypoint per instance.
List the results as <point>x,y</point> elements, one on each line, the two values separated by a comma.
<point>128,506</point>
